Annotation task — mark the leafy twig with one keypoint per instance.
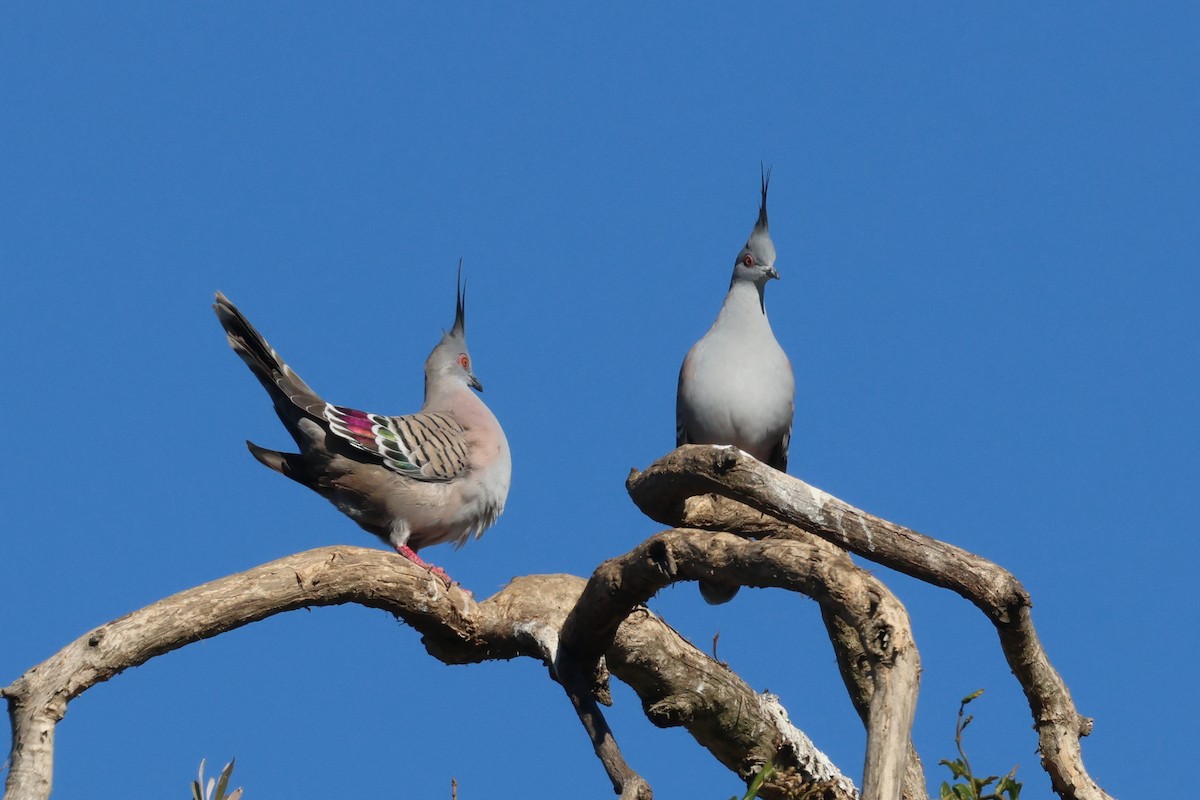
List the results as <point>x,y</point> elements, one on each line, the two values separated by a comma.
<point>968,786</point>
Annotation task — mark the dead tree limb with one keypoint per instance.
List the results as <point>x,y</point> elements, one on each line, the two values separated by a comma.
<point>523,619</point>
<point>843,614</point>
<point>620,585</point>
<point>664,488</point>
<point>579,689</point>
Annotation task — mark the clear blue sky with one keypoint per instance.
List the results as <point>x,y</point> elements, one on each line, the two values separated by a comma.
<point>986,219</point>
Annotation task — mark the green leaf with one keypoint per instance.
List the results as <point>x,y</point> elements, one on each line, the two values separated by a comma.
<point>1010,786</point>
<point>768,769</point>
<point>971,787</point>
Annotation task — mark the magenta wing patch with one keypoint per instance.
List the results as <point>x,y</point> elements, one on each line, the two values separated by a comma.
<point>426,446</point>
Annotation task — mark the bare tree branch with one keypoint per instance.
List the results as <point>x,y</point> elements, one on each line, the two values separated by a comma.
<point>662,492</point>
<point>576,630</point>
<point>702,469</point>
<point>621,584</point>
<point>626,782</point>
<point>715,513</point>
<point>523,619</point>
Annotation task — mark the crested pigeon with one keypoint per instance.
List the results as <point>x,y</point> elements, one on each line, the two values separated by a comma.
<point>736,385</point>
<point>439,475</point>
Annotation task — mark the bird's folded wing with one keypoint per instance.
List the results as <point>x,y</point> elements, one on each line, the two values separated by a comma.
<point>428,446</point>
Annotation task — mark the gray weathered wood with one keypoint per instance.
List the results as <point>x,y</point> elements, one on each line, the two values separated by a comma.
<point>716,513</point>
<point>620,585</point>
<point>523,619</point>
<point>663,490</point>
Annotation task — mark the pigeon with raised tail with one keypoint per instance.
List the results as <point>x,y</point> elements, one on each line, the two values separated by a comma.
<point>440,475</point>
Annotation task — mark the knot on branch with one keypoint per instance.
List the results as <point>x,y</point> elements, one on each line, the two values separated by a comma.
<point>726,458</point>
<point>676,710</point>
<point>662,558</point>
<point>881,641</point>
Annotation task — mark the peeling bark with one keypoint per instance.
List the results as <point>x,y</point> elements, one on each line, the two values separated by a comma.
<point>663,492</point>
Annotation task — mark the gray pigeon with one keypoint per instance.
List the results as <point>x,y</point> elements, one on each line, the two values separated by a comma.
<point>439,475</point>
<point>736,385</point>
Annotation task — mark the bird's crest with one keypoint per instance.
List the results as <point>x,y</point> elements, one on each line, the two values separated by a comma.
<point>460,307</point>
<point>762,209</point>
<point>756,261</point>
<point>450,357</point>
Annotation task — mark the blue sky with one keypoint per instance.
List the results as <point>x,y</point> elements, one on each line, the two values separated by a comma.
<point>986,220</point>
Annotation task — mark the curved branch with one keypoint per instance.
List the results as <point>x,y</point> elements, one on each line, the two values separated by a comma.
<point>727,471</point>
<point>580,691</point>
<point>621,584</point>
<point>715,513</point>
<point>523,619</point>
<point>664,488</point>
<point>38,699</point>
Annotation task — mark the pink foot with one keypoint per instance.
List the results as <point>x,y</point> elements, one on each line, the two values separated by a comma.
<point>412,556</point>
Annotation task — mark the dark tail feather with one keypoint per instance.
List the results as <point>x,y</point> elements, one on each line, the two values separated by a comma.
<point>249,344</point>
<point>289,464</point>
<point>779,454</point>
<point>272,372</point>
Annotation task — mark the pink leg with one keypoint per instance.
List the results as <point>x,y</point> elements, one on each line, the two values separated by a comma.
<point>412,556</point>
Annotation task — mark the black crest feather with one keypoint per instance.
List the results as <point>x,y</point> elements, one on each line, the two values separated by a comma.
<point>762,209</point>
<point>460,306</point>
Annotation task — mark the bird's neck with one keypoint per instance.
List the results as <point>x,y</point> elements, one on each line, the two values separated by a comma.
<point>743,303</point>
<point>443,394</point>
<point>456,398</point>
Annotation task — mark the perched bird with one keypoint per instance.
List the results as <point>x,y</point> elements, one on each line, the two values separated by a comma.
<point>439,475</point>
<point>736,385</point>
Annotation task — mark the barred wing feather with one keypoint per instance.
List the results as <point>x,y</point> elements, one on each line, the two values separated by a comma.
<point>427,446</point>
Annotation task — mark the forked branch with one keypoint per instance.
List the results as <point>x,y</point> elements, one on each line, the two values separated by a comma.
<point>663,492</point>
<point>845,605</point>
<point>529,618</point>
<point>621,584</point>
<point>523,619</point>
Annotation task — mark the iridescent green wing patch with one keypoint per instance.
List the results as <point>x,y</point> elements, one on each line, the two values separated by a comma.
<point>425,446</point>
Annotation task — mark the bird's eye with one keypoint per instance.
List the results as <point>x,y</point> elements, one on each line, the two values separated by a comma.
<point>464,362</point>
<point>748,260</point>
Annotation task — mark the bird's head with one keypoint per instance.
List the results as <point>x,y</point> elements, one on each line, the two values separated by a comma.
<point>450,360</point>
<point>756,262</point>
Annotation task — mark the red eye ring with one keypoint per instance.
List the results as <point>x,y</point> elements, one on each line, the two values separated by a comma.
<point>748,260</point>
<point>464,362</point>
